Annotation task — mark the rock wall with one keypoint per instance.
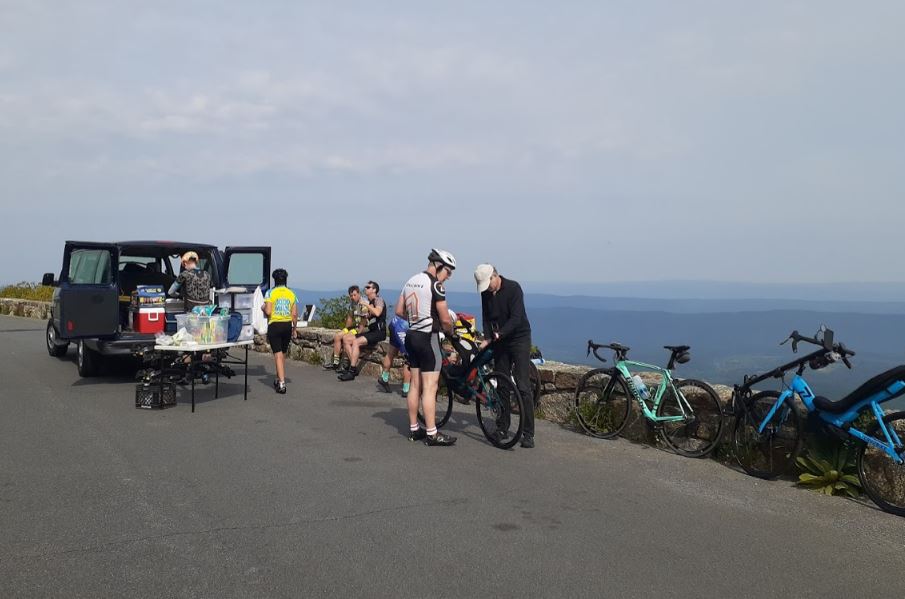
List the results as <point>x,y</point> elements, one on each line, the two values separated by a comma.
<point>25,308</point>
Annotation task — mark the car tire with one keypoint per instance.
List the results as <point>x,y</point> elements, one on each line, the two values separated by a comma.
<point>88,361</point>
<point>54,347</point>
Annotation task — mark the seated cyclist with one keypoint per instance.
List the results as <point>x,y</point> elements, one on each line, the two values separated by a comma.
<point>353,322</point>
<point>374,310</point>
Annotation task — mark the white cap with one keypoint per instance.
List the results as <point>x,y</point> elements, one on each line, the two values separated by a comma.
<point>482,275</point>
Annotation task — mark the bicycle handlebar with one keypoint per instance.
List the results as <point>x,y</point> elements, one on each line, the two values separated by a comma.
<point>593,347</point>
<point>829,352</point>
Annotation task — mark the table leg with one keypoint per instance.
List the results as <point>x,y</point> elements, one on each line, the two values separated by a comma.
<point>160,379</point>
<point>217,376</point>
<point>192,376</point>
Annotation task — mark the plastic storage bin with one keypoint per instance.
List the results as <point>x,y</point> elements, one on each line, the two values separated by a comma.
<point>205,330</point>
<point>243,301</point>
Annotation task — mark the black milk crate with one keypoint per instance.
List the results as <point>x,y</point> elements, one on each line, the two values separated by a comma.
<point>150,396</point>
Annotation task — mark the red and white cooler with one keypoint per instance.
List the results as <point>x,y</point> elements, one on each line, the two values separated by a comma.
<point>148,320</point>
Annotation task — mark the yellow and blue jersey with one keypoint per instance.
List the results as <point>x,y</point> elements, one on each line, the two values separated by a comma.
<point>282,298</point>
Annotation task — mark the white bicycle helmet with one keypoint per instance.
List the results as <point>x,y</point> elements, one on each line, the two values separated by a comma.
<point>443,257</point>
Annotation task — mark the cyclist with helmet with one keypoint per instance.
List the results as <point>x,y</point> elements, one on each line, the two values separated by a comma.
<point>281,308</point>
<point>374,315</point>
<point>423,303</point>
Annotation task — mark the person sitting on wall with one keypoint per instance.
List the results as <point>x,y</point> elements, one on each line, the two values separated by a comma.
<point>192,284</point>
<point>351,326</point>
<point>374,310</point>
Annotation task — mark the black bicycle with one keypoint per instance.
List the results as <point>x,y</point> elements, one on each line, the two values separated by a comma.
<point>498,404</point>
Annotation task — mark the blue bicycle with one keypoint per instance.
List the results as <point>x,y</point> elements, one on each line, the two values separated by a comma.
<point>768,433</point>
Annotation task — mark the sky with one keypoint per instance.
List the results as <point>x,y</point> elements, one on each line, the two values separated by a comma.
<point>568,143</point>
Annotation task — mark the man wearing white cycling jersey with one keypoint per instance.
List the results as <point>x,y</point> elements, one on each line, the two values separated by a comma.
<point>423,303</point>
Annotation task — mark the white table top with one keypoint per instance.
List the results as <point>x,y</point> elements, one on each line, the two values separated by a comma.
<point>199,347</point>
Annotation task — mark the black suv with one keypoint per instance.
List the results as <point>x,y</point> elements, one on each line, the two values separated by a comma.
<point>92,295</point>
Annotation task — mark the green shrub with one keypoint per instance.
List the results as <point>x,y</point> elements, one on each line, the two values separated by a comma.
<point>27,291</point>
<point>332,312</point>
<point>829,467</point>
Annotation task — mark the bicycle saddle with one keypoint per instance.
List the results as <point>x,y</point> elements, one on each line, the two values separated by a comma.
<point>874,385</point>
<point>677,348</point>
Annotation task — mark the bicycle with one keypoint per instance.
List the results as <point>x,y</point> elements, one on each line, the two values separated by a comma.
<point>686,412</point>
<point>498,404</point>
<point>470,336</point>
<point>768,435</point>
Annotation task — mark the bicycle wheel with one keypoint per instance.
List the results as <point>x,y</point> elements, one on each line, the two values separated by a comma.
<point>444,404</point>
<point>534,376</point>
<point>499,408</point>
<point>882,479</point>
<point>701,426</point>
<point>772,452</point>
<point>602,403</point>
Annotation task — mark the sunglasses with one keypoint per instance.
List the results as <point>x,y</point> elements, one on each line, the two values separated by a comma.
<point>369,287</point>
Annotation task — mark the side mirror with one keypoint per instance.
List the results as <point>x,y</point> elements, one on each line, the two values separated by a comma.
<point>48,281</point>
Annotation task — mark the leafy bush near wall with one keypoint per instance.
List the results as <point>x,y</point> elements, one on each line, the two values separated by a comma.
<point>331,312</point>
<point>27,291</point>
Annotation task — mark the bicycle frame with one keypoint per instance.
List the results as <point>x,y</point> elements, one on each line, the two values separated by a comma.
<point>651,412</point>
<point>472,384</point>
<point>843,420</point>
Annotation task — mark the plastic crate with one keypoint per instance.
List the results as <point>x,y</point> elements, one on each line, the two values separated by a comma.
<point>149,396</point>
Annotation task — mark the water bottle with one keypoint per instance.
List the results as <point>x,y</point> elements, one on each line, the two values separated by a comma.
<point>640,386</point>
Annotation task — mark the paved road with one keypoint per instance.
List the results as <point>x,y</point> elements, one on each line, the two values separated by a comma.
<point>318,493</point>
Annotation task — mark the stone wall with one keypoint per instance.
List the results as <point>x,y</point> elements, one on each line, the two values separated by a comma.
<point>25,308</point>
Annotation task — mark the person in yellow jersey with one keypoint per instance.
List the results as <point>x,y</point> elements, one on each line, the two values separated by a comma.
<point>281,309</point>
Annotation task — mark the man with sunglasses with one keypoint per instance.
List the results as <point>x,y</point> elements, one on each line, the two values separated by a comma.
<point>423,303</point>
<point>373,310</point>
<point>504,319</point>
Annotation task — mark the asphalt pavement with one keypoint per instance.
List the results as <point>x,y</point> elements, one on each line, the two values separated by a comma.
<point>319,493</point>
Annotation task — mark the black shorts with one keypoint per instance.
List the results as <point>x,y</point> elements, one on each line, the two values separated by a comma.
<point>279,334</point>
<point>424,351</point>
<point>373,337</point>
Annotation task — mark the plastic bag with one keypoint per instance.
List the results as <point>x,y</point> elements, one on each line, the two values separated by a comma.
<point>258,320</point>
<point>162,339</point>
<point>182,337</point>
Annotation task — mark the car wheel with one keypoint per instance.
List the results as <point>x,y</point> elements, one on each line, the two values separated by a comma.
<point>88,360</point>
<point>55,347</point>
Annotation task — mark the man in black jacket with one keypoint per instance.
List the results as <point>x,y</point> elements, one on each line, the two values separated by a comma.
<point>504,319</point>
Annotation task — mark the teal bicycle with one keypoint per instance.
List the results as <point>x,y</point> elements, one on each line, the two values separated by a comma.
<point>687,413</point>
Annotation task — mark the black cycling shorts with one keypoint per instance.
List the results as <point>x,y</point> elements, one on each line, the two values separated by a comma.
<point>279,334</point>
<point>373,337</point>
<point>424,351</point>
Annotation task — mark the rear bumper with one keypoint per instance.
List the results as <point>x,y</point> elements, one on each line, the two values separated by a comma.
<point>122,345</point>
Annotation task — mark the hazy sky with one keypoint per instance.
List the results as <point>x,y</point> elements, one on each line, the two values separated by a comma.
<point>564,141</point>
